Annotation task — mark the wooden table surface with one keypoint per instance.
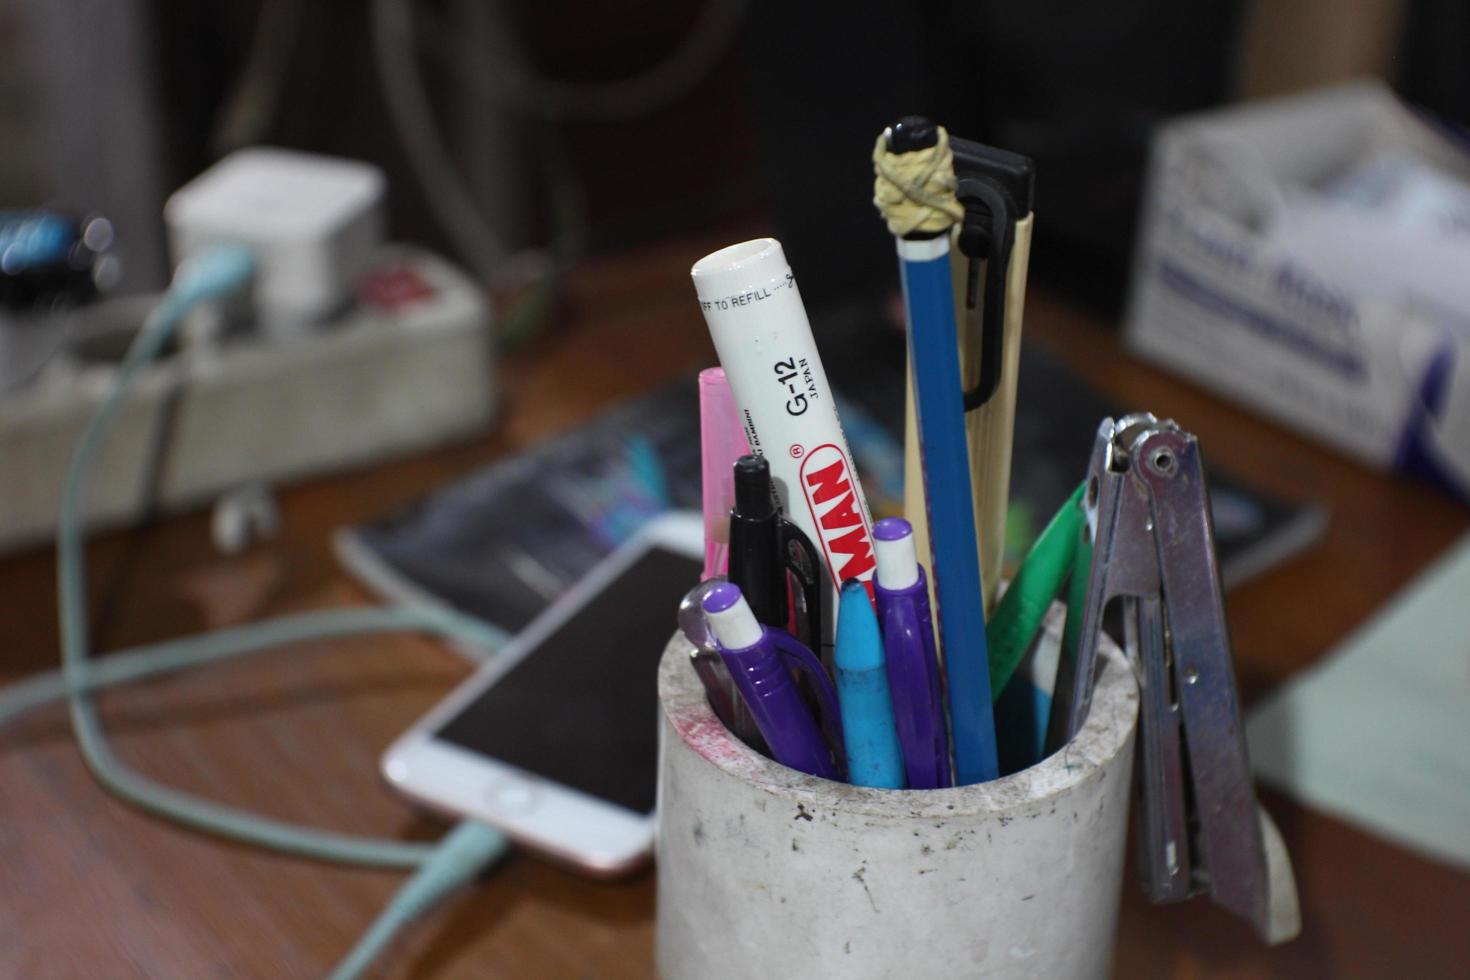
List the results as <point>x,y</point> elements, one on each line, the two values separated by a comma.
<point>92,887</point>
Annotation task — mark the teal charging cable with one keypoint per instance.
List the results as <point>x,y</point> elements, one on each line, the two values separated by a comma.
<point>140,663</point>
<point>439,868</point>
<point>457,858</point>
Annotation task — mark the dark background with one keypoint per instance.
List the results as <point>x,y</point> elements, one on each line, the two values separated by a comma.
<point>111,106</point>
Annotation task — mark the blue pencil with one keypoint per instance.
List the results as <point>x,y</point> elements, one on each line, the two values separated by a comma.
<point>915,191</point>
<point>939,409</point>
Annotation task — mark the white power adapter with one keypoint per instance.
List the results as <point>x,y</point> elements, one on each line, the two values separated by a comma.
<point>313,223</point>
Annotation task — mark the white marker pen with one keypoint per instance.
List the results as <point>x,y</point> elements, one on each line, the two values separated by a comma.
<point>764,340</point>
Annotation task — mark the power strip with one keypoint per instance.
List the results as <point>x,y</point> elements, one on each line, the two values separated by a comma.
<point>409,365</point>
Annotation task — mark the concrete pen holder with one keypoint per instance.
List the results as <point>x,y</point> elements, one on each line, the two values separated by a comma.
<point>766,872</point>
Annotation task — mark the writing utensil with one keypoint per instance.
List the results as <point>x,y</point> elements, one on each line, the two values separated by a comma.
<point>760,660</point>
<point>760,329</point>
<point>1024,709</point>
<point>902,597</point>
<point>922,237</point>
<point>873,754</point>
<point>721,443</point>
<point>704,656</point>
<point>764,546</point>
<point>1077,588</point>
<point>1023,669</point>
<point>1019,613</point>
<point>996,188</point>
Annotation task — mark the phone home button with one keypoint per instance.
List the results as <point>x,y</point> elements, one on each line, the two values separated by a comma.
<point>512,797</point>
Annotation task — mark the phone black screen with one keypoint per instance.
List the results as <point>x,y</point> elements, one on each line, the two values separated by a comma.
<point>582,708</point>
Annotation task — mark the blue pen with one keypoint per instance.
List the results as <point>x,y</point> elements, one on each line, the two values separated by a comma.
<point>939,409</point>
<point>873,754</point>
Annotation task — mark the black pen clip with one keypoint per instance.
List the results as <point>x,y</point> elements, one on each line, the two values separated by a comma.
<point>996,188</point>
<point>803,562</point>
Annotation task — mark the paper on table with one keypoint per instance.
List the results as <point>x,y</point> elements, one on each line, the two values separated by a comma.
<point>1378,733</point>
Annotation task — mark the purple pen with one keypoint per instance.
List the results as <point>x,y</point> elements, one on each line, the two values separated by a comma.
<point>902,597</point>
<point>760,659</point>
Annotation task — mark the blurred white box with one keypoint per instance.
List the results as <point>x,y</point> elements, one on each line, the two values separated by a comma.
<point>1309,257</point>
<point>312,222</point>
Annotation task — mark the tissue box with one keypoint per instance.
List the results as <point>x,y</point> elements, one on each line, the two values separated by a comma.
<point>1310,258</point>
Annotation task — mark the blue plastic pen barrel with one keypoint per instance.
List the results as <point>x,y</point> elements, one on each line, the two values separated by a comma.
<point>874,757</point>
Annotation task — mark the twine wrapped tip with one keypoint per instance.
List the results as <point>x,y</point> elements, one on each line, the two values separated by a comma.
<point>914,181</point>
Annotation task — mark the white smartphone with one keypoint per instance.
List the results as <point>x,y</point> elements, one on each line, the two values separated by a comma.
<point>555,739</point>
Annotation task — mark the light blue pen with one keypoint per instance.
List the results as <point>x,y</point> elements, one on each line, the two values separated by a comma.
<point>874,757</point>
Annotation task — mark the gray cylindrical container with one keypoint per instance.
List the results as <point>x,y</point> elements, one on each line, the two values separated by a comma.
<point>765,872</point>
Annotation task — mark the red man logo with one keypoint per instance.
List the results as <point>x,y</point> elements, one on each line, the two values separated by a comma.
<point>826,482</point>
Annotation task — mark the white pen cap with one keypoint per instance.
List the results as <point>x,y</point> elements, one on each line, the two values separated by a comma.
<point>736,268</point>
<point>893,547</point>
<point>729,617</point>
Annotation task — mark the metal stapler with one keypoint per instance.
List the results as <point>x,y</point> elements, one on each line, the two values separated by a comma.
<point>1198,824</point>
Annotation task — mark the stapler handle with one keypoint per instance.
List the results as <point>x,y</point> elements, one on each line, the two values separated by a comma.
<point>1203,674</point>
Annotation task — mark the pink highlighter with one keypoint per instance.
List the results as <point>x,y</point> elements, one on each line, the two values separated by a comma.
<point>722,441</point>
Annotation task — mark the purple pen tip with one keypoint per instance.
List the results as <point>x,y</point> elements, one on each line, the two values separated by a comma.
<point>892,529</point>
<point>721,597</point>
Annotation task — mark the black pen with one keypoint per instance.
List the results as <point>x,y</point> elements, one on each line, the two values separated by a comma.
<point>764,546</point>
